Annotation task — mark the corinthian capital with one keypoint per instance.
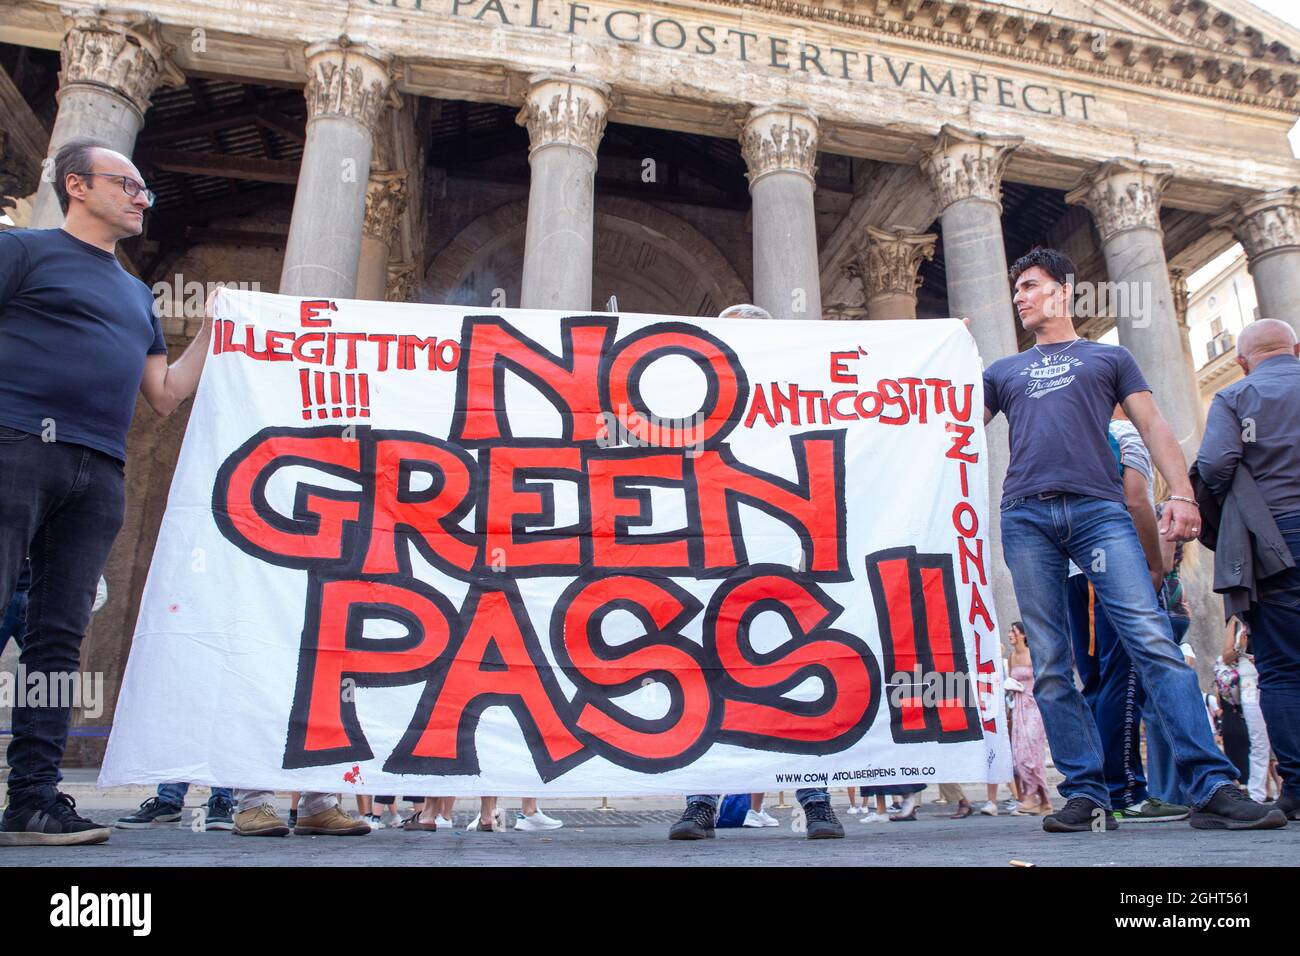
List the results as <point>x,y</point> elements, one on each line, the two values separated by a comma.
<point>123,52</point>
<point>1122,194</point>
<point>779,139</point>
<point>564,109</point>
<point>401,282</point>
<point>1266,224</point>
<point>964,165</point>
<point>349,80</point>
<point>888,261</point>
<point>385,203</point>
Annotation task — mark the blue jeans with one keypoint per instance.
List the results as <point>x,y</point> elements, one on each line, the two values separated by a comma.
<point>1039,534</point>
<point>61,504</point>
<point>1163,780</point>
<point>1113,692</point>
<point>805,797</point>
<point>1275,638</point>
<point>173,794</point>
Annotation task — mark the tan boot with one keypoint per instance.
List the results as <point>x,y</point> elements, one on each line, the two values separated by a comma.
<point>260,821</point>
<point>331,822</point>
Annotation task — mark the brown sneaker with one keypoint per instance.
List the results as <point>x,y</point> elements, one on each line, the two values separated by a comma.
<point>260,821</point>
<point>331,822</point>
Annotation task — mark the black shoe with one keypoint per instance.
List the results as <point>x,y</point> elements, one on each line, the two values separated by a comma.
<point>1289,805</point>
<point>293,818</point>
<point>1232,809</point>
<point>696,823</point>
<point>152,812</point>
<point>1079,815</point>
<point>822,822</point>
<point>54,824</point>
<point>220,815</point>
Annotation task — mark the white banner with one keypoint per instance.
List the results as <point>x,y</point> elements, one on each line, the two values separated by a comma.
<point>438,550</point>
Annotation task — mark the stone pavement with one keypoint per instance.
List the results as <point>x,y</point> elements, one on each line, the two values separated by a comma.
<point>634,834</point>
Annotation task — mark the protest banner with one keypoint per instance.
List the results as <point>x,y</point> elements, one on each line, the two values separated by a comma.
<point>437,549</point>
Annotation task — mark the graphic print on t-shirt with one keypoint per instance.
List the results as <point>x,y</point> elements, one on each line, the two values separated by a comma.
<point>1050,373</point>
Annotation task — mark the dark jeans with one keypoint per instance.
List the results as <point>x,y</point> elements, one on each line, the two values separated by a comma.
<point>1113,692</point>
<point>15,621</point>
<point>62,504</point>
<point>1275,637</point>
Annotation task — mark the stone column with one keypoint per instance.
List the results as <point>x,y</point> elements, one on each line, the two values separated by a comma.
<point>886,265</point>
<point>1178,289</point>
<point>965,170</point>
<point>1124,198</point>
<point>385,200</point>
<point>779,144</point>
<point>111,66</point>
<point>348,87</point>
<point>1268,227</point>
<point>565,117</point>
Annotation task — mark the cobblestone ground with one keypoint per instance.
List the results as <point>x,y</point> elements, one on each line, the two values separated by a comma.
<point>634,834</point>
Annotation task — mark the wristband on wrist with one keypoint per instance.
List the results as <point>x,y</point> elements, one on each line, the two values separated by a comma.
<point>1190,501</point>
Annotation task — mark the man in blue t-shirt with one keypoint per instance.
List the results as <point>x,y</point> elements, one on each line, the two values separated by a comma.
<point>78,340</point>
<point>1063,500</point>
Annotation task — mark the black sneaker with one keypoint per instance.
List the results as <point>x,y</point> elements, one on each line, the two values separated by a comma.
<point>152,812</point>
<point>1079,815</point>
<point>1289,805</point>
<point>822,822</point>
<point>1232,809</point>
<point>696,823</point>
<point>293,818</point>
<point>220,815</point>
<point>54,824</point>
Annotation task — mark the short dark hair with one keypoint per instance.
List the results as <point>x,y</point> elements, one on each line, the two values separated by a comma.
<point>1052,261</point>
<point>1018,626</point>
<point>74,157</point>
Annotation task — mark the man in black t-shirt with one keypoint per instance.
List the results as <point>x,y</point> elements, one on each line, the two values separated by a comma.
<point>78,340</point>
<point>1063,500</point>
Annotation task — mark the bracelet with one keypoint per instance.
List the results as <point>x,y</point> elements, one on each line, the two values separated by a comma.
<point>1190,501</point>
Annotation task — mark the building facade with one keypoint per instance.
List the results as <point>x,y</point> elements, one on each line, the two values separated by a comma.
<point>878,159</point>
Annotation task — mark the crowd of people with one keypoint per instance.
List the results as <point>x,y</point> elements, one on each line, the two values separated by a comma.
<point>1097,657</point>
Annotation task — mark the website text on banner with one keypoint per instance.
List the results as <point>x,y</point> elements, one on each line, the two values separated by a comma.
<point>430,549</point>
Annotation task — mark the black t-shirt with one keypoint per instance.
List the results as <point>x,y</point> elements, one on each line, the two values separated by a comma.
<point>1058,402</point>
<point>75,328</point>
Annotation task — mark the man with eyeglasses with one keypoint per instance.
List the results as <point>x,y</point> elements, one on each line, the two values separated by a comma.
<point>78,339</point>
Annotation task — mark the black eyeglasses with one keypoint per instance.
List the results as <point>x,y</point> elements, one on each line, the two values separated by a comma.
<point>130,186</point>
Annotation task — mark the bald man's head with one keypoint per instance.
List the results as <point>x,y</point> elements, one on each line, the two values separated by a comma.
<point>1264,339</point>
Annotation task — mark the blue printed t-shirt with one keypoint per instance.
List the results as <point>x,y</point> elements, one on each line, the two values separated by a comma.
<point>1058,404</point>
<point>75,328</point>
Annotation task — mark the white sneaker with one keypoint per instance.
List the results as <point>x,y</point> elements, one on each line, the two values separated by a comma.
<point>768,819</point>
<point>1010,806</point>
<point>854,811</point>
<point>374,820</point>
<point>990,809</point>
<point>538,821</point>
<point>753,818</point>
<point>443,823</point>
<point>871,816</point>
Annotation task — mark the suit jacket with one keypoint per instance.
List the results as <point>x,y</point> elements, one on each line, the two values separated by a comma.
<point>1246,542</point>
